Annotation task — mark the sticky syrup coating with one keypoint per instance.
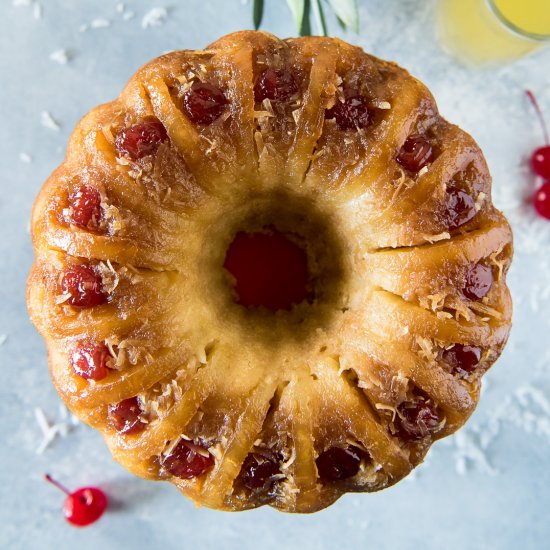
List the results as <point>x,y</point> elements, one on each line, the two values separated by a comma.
<point>361,362</point>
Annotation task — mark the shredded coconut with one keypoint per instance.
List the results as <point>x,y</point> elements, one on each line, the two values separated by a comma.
<point>100,23</point>
<point>528,409</point>
<point>51,430</point>
<point>25,157</point>
<point>468,452</point>
<point>423,170</point>
<point>384,407</point>
<point>479,201</point>
<point>384,105</point>
<point>426,349</point>
<point>48,121</point>
<point>171,446</point>
<point>435,238</point>
<point>3,338</point>
<point>61,56</point>
<point>154,18</point>
<point>287,463</point>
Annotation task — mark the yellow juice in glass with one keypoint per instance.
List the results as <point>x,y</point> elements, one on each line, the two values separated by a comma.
<point>485,31</point>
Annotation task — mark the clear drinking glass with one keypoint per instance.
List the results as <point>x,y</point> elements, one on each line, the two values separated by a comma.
<point>493,31</point>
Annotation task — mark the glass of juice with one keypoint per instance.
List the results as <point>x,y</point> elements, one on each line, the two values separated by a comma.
<point>493,31</point>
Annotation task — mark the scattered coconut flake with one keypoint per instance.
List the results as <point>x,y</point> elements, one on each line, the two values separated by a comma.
<point>3,338</point>
<point>50,430</point>
<point>37,11</point>
<point>422,171</point>
<point>154,18</point>
<point>127,15</point>
<point>49,122</point>
<point>120,7</point>
<point>528,409</point>
<point>19,3</point>
<point>479,201</point>
<point>382,105</point>
<point>171,446</point>
<point>100,23</point>
<point>435,238</point>
<point>384,407</point>
<point>61,56</point>
<point>84,27</point>
<point>469,453</point>
<point>25,157</point>
<point>43,423</point>
<point>287,463</point>
<point>216,451</point>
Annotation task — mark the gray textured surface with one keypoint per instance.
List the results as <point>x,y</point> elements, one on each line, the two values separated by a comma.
<point>456,500</point>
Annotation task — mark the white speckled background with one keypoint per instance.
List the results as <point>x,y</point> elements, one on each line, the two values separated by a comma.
<point>488,487</point>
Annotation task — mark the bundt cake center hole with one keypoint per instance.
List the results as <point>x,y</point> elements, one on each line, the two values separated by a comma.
<point>269,268</point>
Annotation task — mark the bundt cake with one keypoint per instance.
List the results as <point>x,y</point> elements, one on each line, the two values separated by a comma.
<point>270,272</point>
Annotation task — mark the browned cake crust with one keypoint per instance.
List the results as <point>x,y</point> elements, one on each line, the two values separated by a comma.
<point>388,278</point>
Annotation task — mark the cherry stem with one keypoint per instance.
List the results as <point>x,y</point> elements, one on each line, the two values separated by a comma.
<point>49,478</point>
<point>538,110</point>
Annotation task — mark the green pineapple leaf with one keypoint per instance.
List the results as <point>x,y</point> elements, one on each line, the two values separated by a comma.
<point>319,15</point>
<point>257,13</point>
<point>300,11</point>
<point>347,12</point>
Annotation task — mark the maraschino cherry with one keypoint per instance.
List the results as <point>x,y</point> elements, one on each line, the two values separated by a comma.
<point>85,205</point>
<point>204,103</point>
<point>258,471</point>
<point>542,200</point>
<point>337,463</point>
<point>540,164</point>
<point>83,287</point>
<point>275,85</point>
<point>188,460</point>
<point>416,419</point>
<point>141,140</point>
<point>84,506</point>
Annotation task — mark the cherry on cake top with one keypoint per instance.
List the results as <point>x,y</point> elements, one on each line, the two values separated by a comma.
<point>460,208</point>
<point>416,419</point>
<point>415,154</point>
<point>141,140</point>
<point>478,282</point>
<point>83,287</point>
<point>125,416</point>
<point>338,463</point>
<point>203,103</point>
<point>188,460</point>
<point>259,469</point>
<point>275,85</point>
<point>462,359</point>
<point>85,207</point>
<point>352,111</point>
<point>90,360</point>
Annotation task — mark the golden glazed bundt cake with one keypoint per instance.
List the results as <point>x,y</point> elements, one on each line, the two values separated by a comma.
<point>270,272</point>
